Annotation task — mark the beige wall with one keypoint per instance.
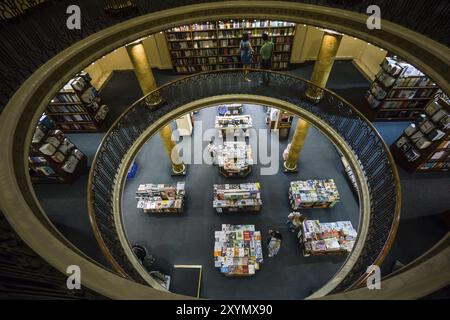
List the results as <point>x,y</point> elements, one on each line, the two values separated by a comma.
<point>157,53</point>
<point>366,57</point>
<point>369,60</point>
<point>307,44</point>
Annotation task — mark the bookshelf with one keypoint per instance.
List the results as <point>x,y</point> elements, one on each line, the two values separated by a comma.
<point>279,120</point>
<point>424,146</point>
<point>53,158</point>
<point>214,45</point>
<point>399,92</point>
<point>77,107</point>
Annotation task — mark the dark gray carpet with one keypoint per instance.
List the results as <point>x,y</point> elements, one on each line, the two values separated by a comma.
<point>189,238</point>
<point>424,195</point>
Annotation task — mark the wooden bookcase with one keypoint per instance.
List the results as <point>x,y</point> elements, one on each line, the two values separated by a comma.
<point>399,92</point>
<point>214,45</point>
<point>77,107</point>
<point>50,168</point>
<point>280,120</point>
<point>435,156</point>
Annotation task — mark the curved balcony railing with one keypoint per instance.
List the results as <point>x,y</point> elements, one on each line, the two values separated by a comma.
<point>379,190</point>
<point>32,32</point>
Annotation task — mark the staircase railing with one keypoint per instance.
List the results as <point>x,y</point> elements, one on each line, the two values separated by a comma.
<point>378,184</point>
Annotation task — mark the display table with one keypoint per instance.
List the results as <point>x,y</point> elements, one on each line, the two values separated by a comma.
<point>230,109</point>
<point>233,125</point>
<point>311,194</point>
<point>327,238</point>
<point>238,250</point>
<point>237,197</point>
<point>161,198</point>
<point>234,159</point>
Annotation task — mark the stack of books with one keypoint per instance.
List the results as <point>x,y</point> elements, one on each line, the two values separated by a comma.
<point>161,198</point>
<point>313,194</point>
<point>237,197</point>
<point>238,250</point>
<point>327,238</point>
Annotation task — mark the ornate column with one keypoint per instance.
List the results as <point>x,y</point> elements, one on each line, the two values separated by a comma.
<point>147,82</point>
<point>143,71</point>
<point>178,167</point>
<point>322,68</point>
<point>324,63</point>
<point>296,145</point>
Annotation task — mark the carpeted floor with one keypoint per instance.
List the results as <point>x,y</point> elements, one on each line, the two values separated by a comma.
<point>189,238</point>
<point>425,196</point>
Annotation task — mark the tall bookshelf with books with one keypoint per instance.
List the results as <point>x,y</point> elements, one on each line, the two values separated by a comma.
<point>399,92</point>
<point>77,107</point>
<point>214,45</point>
<point>53,158</point>
<point>424,146</point>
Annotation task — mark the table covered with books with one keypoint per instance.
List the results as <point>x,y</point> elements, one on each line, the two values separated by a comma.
<point>234,158</point>
<point>310,194</point>
<point>161,198</point>
<point>327,238</point>
<point>237,197</point>
<point>238,250</point>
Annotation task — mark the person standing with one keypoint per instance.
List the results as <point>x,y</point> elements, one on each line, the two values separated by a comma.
<point>266,53</point>
<point>212,151</point>
<point>274,243</point>
<point>295,220</point>
<point>246,51</point>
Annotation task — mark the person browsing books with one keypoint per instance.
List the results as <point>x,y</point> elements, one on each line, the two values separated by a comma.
<point>266,52</point>
<point>246,51</point>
